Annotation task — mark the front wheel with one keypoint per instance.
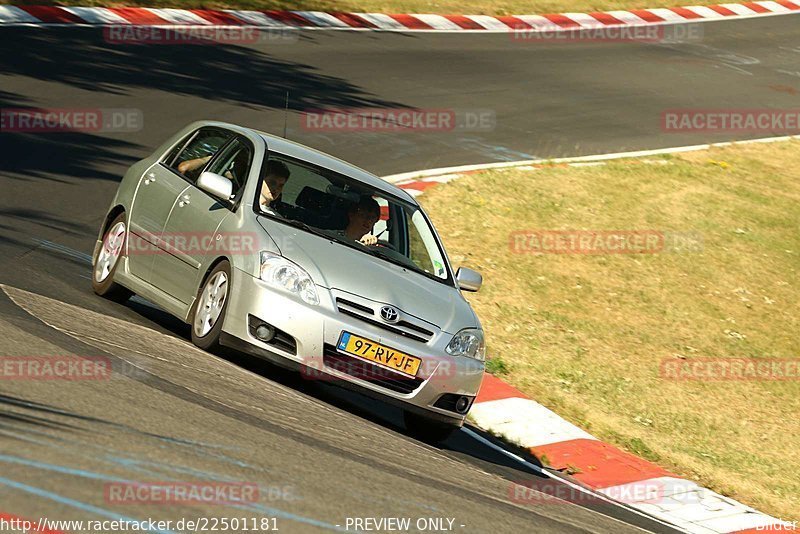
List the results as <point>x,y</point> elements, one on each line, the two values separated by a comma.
<point>208,312</point>
<point>106,262</point>
<point>427,430</point>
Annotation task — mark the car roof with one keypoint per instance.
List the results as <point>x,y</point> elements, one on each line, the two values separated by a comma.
<point>326,161</point>
<point>315,157</point>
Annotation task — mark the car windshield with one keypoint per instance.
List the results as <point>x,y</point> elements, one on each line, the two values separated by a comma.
<point>351,213</point>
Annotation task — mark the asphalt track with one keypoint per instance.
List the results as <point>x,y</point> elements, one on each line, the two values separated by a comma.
<point>171,412</point>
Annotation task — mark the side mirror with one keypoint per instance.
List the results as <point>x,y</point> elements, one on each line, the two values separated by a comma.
<point>468,280</point>
<point>215,185</point>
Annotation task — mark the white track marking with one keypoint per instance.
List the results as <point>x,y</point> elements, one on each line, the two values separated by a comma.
<point>322,19</point>
<point>490,23</point>
<point>539,22</point>
<point>395,178</point>
<point>569,483</point>
<point>705,12</point>
<point>775,7</point>
<point>438,22</point>
<point>585,20</point>
<point>256,18</point>
<point>688,505</point>
<point>739,9</point>
<point>630,18</point>
<point>384,22</point>
<point>12,14</point>
<point>179,16</point>
<point>524,422</point>
<point>97,15</point>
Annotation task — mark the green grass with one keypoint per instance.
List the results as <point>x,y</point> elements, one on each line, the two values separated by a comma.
<point>585,334</point>
<point>469,7</point>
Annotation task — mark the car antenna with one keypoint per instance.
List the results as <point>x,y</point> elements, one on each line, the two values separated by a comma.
<point>285,114</point>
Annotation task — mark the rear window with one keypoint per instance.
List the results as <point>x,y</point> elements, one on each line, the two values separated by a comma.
<point>192,156</point>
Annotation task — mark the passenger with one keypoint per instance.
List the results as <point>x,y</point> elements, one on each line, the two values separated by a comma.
<point>275,177</point>
<point>236,172</point>
<point>362,217</point>
<point>190,165</point>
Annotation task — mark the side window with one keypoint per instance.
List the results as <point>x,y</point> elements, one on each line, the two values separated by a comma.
<point>234,163</point>
<point>199,151</point>
<point>173,154</point>
<point>384,225</point>
<point>423,250</point>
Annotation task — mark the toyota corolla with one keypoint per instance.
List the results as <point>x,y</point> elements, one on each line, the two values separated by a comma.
<point>278,250</point>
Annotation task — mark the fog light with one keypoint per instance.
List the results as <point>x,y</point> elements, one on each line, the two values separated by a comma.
<point>265,332</point>
<point>462,404</point>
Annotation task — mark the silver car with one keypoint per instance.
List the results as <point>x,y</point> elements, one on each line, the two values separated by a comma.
<point>272,248</point>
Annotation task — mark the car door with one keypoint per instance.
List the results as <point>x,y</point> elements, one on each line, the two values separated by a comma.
<point>158,192</point>
<point>190,234</point>
<point>155,195</point>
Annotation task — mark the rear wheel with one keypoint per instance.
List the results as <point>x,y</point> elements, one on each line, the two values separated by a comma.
<point>107,260</point>
<point>426,429</point>
<point>208,313</point>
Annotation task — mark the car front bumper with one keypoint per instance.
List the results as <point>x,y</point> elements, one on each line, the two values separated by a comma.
<point>316,331</point>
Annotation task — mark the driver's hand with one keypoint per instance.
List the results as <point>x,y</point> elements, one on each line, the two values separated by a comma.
<point>368,239</point>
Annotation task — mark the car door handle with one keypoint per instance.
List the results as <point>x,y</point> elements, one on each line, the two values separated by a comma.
<point>184,201</point>
<point>151,177</point>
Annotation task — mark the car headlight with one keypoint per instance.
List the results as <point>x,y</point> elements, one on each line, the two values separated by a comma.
<point>281,273</point>
<point>468,342</point>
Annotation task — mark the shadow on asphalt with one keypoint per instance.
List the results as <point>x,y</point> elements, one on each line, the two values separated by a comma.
<point>243,75</point>
<point>29,156</point>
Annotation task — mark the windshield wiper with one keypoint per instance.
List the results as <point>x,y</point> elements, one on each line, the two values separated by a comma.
<point>379,253</point>
<point>303,226</point>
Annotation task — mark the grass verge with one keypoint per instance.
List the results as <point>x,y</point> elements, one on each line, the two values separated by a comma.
<point>447,7</point>
<point>586,335</point>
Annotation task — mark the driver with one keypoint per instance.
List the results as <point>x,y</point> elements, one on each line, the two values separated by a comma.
<point>361,218</point>
<point>275,177</point>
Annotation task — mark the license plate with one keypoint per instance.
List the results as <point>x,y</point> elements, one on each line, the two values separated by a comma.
<point>380,354</point>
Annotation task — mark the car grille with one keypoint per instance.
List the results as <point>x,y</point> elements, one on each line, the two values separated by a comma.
<point>369,372</point>
<point>403,327</point>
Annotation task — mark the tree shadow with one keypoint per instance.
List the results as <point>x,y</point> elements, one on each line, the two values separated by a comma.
<point>84,58</point>
<point>58,156</point>
<point>12,220</point>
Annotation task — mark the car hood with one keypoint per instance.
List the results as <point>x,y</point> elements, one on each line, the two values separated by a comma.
<point>337,266</point>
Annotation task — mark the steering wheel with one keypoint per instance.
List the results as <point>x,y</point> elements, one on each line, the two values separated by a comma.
<point>386,244</point>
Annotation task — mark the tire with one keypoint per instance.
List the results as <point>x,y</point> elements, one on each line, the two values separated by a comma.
<point>208,311</point>
<point>105,263</point>
<point>426,429</point>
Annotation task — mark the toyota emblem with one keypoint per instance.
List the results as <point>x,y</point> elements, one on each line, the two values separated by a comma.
<point>389,314</point>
